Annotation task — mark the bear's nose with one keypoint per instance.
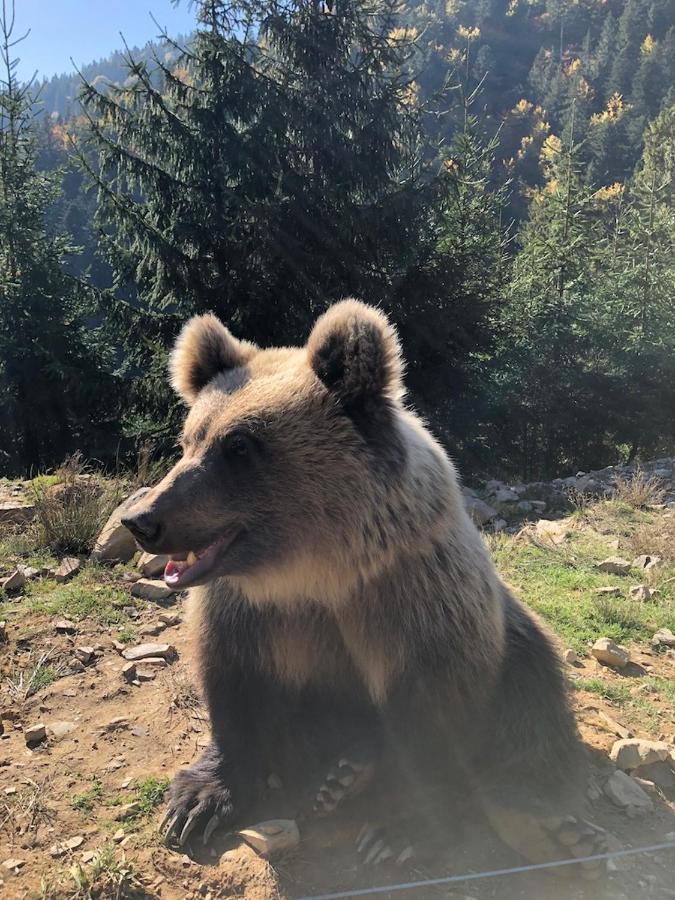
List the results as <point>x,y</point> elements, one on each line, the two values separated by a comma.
<point>144,526</point>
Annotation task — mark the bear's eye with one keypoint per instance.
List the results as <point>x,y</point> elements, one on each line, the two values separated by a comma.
<point>237,445</point>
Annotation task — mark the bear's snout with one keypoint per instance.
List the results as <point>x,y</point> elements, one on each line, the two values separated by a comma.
<point>144,525</point>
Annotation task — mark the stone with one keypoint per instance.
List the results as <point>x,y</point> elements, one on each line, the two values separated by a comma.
<point>34,734</point>
<point>157,662</point>
<point>555,531</point>
<point>153,630</point>
<point>170,619</point>
<point>64,847</point>
<point>626,793</point>
<point>605,650</point>
<point>525,506</point>
<point>129,671</point>
<point>149,589</point>
<point>631,753</point>
<point>506,495</point>
<point>13,582</point>
<point>614,565</point>
<point>152,564</point>
<point>659,773</point>
<point>480,512</point>
<point>88,856</point>
<point>146,675</point>
<point>646,562</point>
<point>128,811</point>
<point>13,513</point>
<point>273,836</point>
<point>65,626</point>
<point>608,591</point>
<point>119,835</point>
<point>640,592</point>
<point>84,654</point>
<point>13,864</point>
<point>116,543</point>
<point>570,657</point>
<point>538,505</point>
<point>131,611</point>
<point>664,637</point>
<point>68,567</point>
<point>29,573</point>
<point>143,651</point>
<point>59,730</point>
<point>499,525</point>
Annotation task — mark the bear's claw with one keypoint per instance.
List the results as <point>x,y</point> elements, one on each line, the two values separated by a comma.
<point>347,779</point>
<point>374,848</point>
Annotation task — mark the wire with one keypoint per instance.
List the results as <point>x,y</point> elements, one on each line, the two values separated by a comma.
<point>494,873</point>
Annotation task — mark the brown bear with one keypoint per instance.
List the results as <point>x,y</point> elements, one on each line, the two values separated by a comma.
<point>348,617</point>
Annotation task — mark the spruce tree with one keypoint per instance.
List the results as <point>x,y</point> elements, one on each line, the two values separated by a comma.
<point>51,368</point>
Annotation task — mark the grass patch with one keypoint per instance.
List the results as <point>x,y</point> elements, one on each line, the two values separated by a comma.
<point>608,690</point>
<point>639,490</point>
<point>126,635</point>
<point>90,595</point>
<point>151,793</point>
<point>86,800</point>
<point>69,514</point>
<point>559,583</point>
<point>106,876</point>
<point>40,671</point>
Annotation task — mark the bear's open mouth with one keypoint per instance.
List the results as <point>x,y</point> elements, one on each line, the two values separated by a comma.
<point>180,573</point>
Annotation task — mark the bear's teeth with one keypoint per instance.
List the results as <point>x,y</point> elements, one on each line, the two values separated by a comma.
<point>191,558</point>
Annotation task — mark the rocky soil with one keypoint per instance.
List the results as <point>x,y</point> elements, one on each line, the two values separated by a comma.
<point>99,709</point>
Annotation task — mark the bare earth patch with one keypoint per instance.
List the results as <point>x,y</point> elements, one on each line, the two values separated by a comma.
<point>79,809</point>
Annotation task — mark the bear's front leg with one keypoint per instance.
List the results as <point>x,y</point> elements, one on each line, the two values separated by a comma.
<point>201,795</point>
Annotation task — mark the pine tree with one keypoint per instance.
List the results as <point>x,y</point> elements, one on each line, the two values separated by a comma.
<point>50,366</point>
<point>276,169</point>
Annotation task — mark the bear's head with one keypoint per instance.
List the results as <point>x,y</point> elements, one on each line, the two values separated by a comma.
<point>290,455</point>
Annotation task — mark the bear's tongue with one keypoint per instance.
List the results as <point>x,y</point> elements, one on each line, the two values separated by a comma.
<point>178,571</point>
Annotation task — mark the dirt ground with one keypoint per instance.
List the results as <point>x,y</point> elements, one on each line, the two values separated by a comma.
<point>122,734</point>
<point>80,810</point>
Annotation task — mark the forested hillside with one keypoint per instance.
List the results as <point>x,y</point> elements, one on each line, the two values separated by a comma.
<point>497,175</point>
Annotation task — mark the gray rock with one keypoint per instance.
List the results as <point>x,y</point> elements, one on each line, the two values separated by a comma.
<point>605,650</point>
<point>129,671</point>
<point>525,506</point>
<point>479,511</point>
<point>128,811</point>
<point>170,619</point>
<point>59,730</point>
<point>147,651</point>
<point>570,657</point>
<point>64,847</point>
<point>116,543</point>
<point>659,773</point>
<point>626,793</point>
<point>152,564</point>
<point>664,637</point>
<point>84,654</point>
<point>68,568</point>
<point>34,734</point>
<point>640,592</point>
<point>13,582</point>
<point>634,752</point>
<point>13,513</point>
<point>147,589</point>
<point>608,591</point>
<point>506,495</point>
<point>271,837</point>
<point>65,626</point>
<point>614,565</point>
<point>646,562</point>
<point>153,630</point>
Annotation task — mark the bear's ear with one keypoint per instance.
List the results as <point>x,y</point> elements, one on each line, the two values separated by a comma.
<point>204,348</point>
<point>355,352</point>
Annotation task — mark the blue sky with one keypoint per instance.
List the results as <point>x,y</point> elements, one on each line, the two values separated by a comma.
<point>89,29</point>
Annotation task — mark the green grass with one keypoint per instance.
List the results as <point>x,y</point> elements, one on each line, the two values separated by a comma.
<point>609,690</point>
<point>559,583</point>
<point>126,635</point>
<point>151,793</point>
<point>85,801</point>
<point>91,594</point>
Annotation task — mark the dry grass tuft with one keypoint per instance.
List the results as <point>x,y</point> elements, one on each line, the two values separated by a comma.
<point>25,811</point>
<point>40,671</point>
<point>107,876</point>
<point>639,490</point>
<point>70,513</point>
<point>654,539</point>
